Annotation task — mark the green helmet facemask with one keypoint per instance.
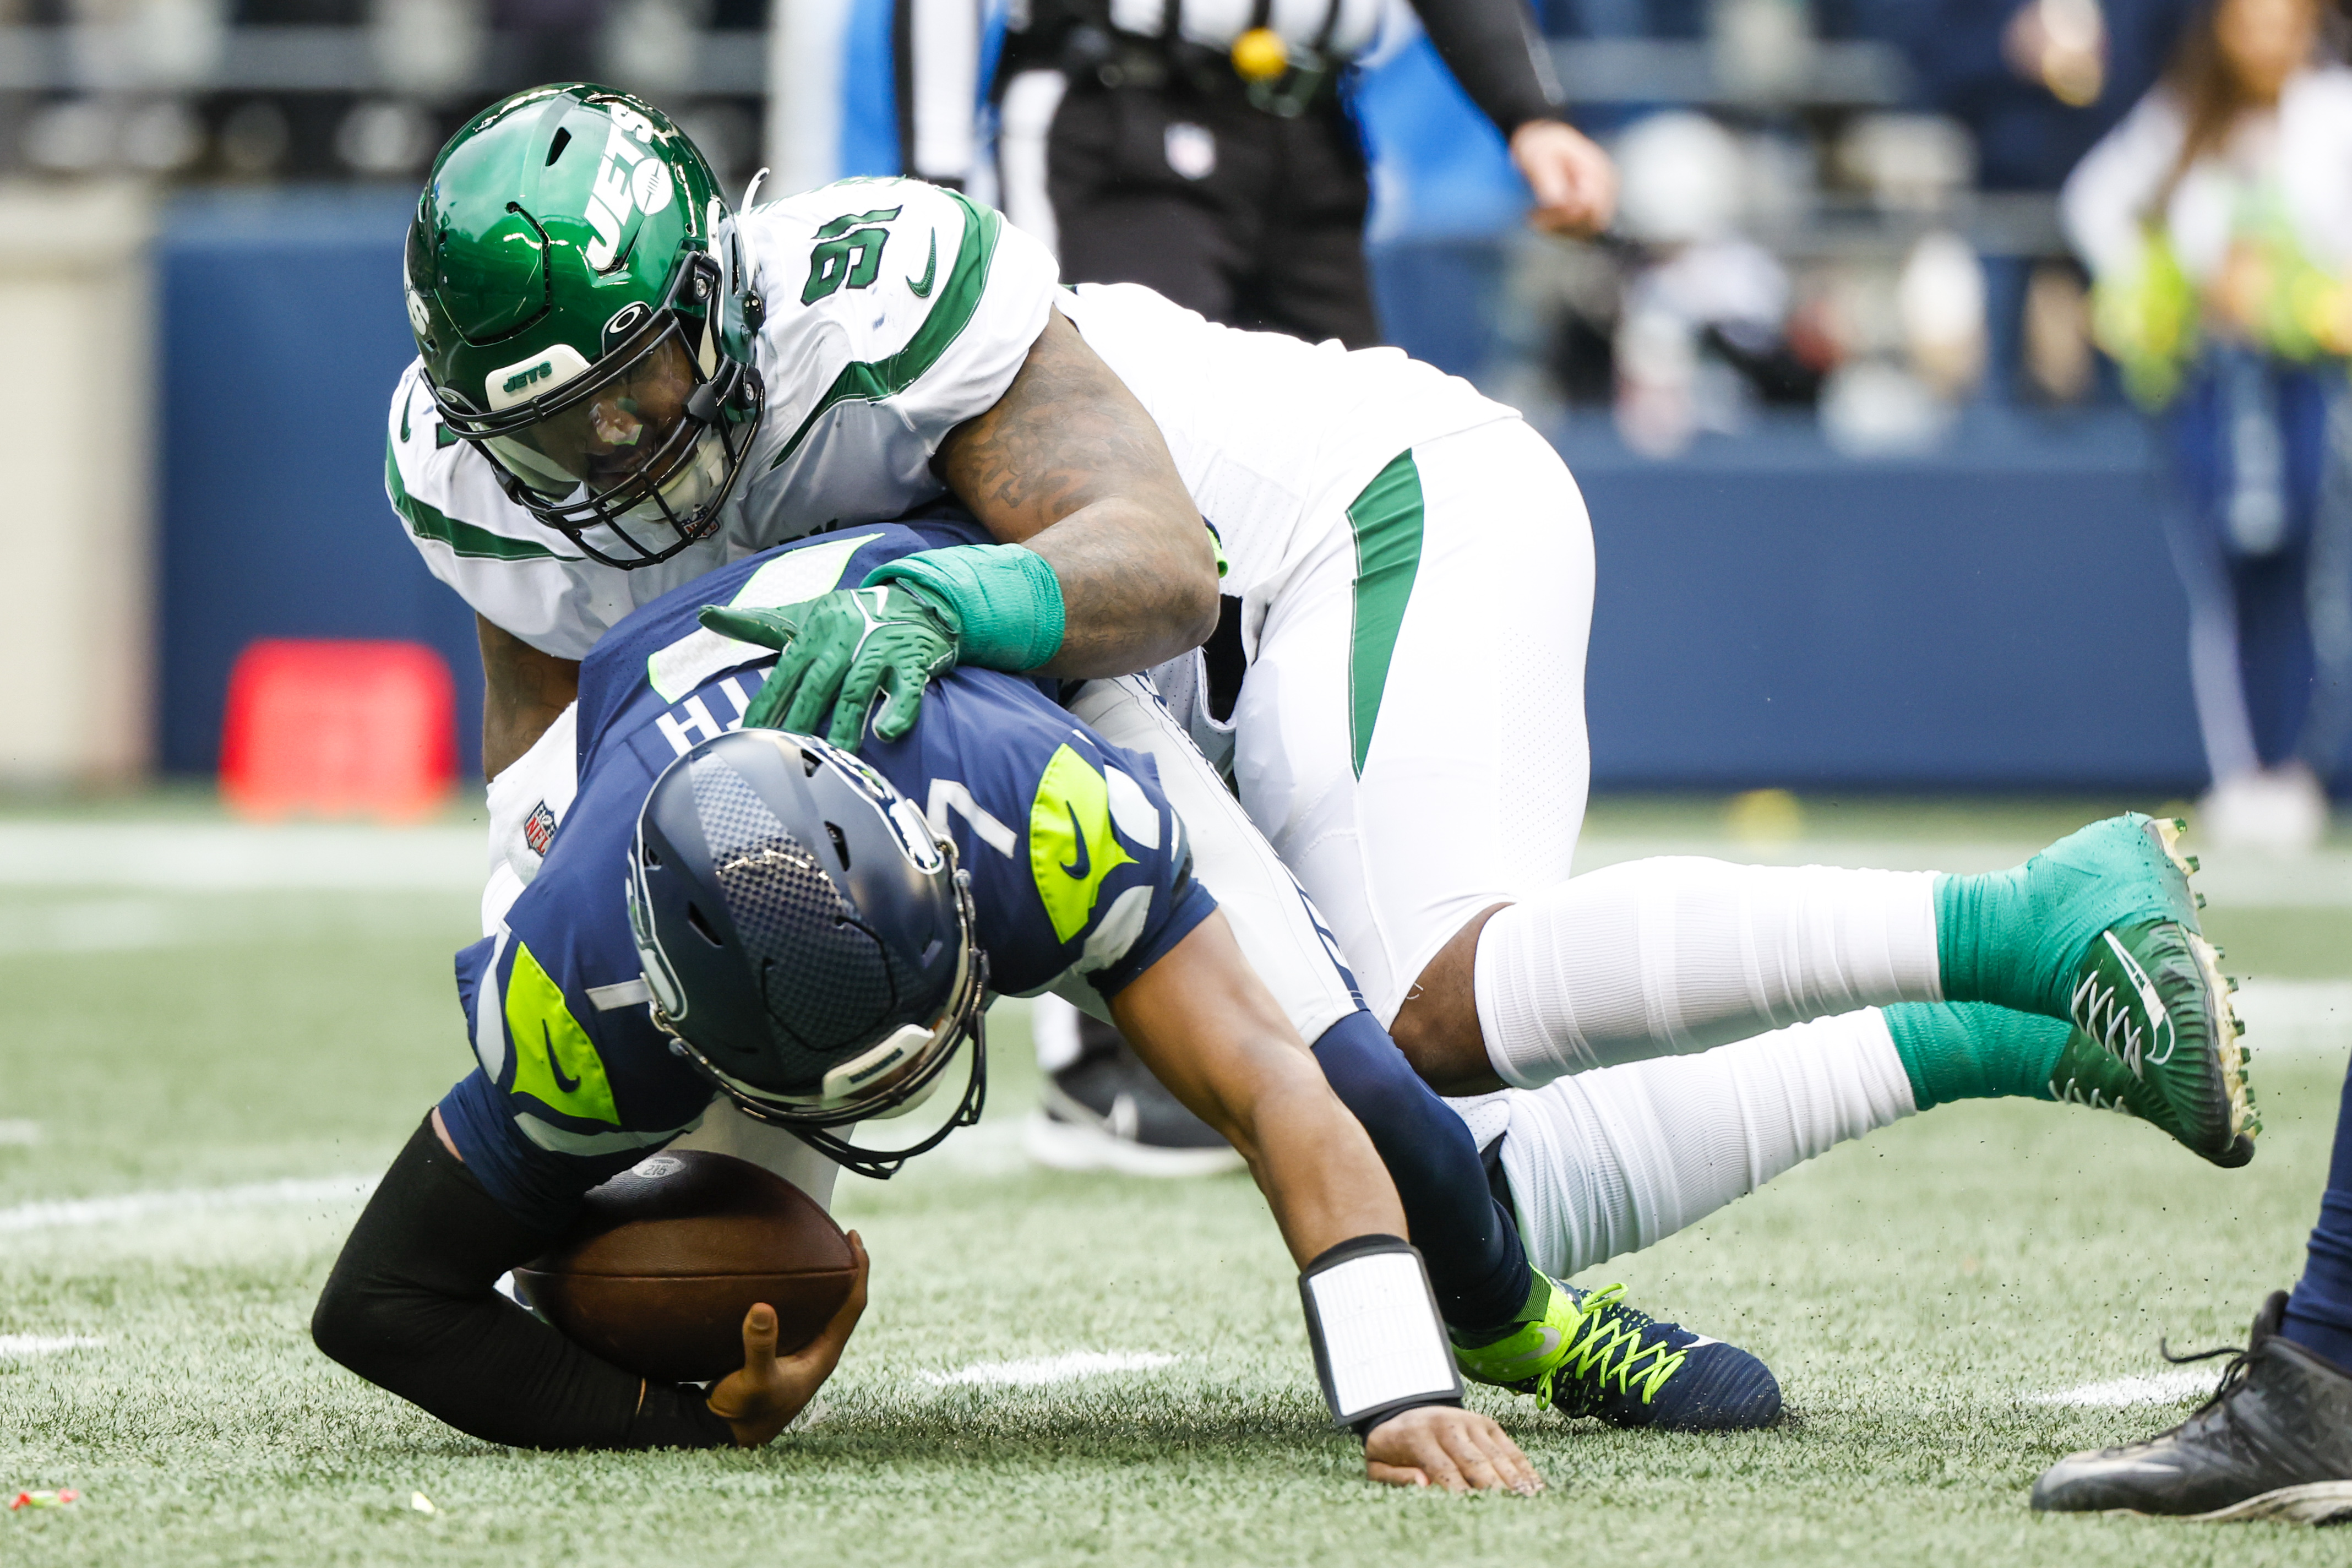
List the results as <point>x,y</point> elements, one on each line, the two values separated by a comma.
<point>575,288</point>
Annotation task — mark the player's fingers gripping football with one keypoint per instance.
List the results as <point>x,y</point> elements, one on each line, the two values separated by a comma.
<point>761,1398</point>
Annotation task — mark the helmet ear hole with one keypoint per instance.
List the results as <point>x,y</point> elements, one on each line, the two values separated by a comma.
<point>652,859</point>
<point>840,843</point>
<point>701,927</point>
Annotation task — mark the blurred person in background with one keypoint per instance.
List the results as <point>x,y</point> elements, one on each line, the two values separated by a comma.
<point>1208,152</point>
<point>2217,222</point>
<point>2037,83</point>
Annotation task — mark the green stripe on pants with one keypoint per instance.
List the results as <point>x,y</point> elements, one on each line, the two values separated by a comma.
<point>1386,521</point>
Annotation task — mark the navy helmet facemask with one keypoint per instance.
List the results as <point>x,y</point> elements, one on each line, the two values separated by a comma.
<point>808,940</point>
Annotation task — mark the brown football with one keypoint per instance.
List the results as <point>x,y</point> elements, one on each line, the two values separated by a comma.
<point>665,1260</point>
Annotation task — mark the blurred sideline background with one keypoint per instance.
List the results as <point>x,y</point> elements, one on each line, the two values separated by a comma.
<point>1871,512</point>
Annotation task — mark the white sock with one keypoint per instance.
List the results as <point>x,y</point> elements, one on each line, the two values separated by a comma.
<point>1610,1161</point>
<point>1678,954</point>
<point>1054,1030</point>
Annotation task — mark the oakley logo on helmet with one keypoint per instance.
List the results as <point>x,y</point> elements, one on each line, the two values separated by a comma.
<point>625,321</point>
<point>627,180</point>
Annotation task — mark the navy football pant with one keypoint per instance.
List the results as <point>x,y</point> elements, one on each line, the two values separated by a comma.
<point>2319,1312</point>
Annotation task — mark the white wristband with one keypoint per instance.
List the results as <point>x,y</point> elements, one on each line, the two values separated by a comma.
<point>1379,1344</point>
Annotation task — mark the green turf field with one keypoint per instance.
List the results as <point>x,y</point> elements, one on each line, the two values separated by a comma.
<point>174,1042</point>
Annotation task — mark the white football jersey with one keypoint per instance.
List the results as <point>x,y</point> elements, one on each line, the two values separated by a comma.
<point>871,354</point>
<point>1273,435</point>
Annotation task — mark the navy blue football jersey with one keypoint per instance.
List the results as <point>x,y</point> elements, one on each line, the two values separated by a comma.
<point>1078,867</point>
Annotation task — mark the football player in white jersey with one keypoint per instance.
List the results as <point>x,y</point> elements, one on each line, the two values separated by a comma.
<point>622,384</point>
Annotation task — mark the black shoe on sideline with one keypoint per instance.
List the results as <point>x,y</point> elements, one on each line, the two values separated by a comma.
<point>2274,1442</point>
<point>1106,1112</point>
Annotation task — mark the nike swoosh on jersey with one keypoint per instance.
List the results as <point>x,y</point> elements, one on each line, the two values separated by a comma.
<point>567,1085</point>
<point>930,270</point>
<point>1077,873</point>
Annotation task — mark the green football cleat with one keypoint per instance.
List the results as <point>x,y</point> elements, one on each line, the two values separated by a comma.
<point>2156,1038</point>
<point>1591,1354</point>
<point>2101,929</point>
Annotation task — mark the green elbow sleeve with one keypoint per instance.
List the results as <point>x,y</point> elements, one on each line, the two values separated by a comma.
<point>1004,597</point>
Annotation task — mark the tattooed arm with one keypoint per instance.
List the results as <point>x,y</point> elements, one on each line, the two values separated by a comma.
<point>1070,464</point>
<point>523,691</point>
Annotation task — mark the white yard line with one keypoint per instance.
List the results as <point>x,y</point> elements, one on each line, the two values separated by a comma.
<point>213,856</point>
<point>44,1344</point>
<point>53,1214</point>
<point>1048,1370</point>
<point>2149,1389</point>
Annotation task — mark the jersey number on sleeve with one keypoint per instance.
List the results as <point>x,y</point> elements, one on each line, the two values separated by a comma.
<point>847,252</point>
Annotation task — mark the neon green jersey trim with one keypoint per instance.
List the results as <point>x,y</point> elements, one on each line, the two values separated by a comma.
<point>555,1061</point>
<point>871,381</point>
<point>1071,845</point>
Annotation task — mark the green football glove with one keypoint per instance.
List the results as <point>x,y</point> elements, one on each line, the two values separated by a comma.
<point>840,652</point>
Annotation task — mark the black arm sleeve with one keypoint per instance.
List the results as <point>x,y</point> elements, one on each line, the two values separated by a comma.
<point>1491,47</point>
<point>411,1306</point>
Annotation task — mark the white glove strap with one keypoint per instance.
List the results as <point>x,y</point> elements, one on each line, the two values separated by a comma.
<point>1379,1344</point>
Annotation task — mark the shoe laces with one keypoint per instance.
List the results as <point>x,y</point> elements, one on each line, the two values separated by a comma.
<point>1606,1343</point>
<point>2107,1021</point>
<point>2233,1372</point>
<point>2073,1093</point>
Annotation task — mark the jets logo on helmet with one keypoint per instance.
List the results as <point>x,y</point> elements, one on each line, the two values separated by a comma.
<point>568,290</point>
<point>626,178</point>
<point>808,940</point>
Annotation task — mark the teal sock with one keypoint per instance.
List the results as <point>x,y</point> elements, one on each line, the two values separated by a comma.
<point>2013,937</point>
<point>1984,943</point>
<point>1961,1050</point>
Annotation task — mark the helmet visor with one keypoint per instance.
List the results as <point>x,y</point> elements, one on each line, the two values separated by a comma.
<point>629,427</point>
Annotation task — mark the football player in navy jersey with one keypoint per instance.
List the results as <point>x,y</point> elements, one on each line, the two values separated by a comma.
<point>857,909</point>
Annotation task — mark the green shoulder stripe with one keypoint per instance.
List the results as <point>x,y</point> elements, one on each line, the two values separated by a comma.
<point>871,381</point>
<point>428,521</point>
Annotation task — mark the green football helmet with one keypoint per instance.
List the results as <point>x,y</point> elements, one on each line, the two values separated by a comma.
<point>578,294</point>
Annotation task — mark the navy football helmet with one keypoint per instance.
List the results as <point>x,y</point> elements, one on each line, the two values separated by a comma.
<point>808,940</point>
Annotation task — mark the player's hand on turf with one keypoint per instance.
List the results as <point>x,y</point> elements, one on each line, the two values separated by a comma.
<point>761,1399</point>
<point>1574,183</point>
<point>841,651</point>
<point>1439,1445</point>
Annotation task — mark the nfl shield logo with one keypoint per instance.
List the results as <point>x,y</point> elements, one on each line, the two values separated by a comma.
<point>539,831</point>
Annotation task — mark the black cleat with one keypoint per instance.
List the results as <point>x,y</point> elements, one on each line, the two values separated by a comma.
<point>1106,1112</point>
<point>2274,1442</point>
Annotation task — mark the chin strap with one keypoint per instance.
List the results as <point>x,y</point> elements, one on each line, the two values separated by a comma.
<point>881,1165</point>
